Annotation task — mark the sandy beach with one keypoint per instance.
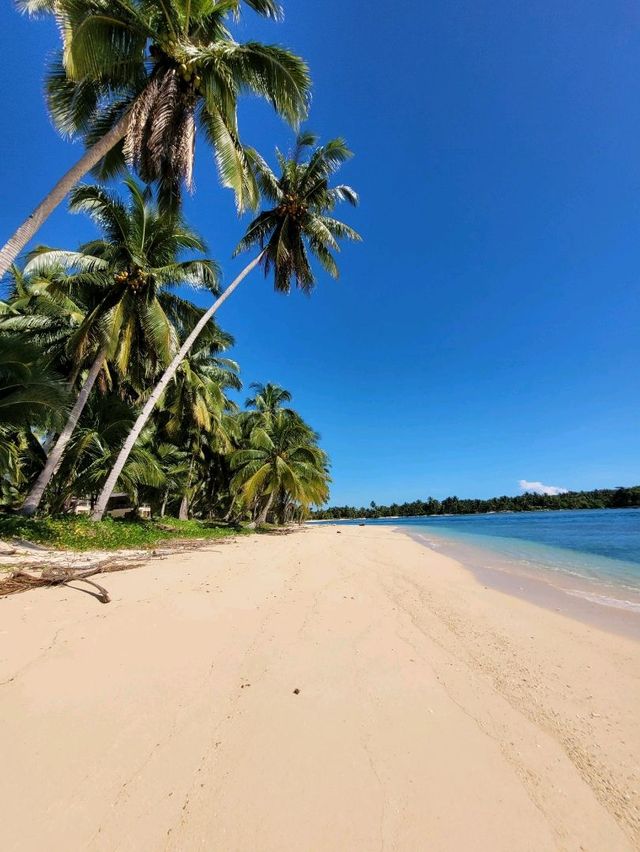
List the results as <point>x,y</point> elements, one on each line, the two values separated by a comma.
<point>327,690</point>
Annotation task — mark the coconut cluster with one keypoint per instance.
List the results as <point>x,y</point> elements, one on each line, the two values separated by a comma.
<point>292,207</point>
<point>136,279</point>
<point>188,70</point>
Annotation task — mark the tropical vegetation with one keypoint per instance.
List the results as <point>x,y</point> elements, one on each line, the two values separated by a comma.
<point>186,462</point>
<point>114,384</point>
<point>297,224</point>
<point>600,498</point>
<point>136,80</point>
<point>76,533</point>
<point>124,283</point>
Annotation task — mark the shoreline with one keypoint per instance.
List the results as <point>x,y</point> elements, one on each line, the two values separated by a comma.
<point>337,688</point>
<point>544,590</point>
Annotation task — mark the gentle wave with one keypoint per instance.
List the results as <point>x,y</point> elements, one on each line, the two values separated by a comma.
<point>604,581</point>
<point>589,554</point>
<point>604,600</point>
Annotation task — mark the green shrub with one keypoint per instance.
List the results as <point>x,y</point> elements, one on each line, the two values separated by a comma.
<point>77,533</point>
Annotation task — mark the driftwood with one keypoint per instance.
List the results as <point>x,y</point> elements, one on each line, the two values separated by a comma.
<point>280,531</point>
<point>22,581</point>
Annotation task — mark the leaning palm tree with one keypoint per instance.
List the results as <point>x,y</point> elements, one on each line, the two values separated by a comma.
<point>137,78</point>
<point>87,460</point>
<point>128,273</point>
<point>298,223</point>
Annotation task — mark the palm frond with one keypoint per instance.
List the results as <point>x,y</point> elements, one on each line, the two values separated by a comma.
<point>272,72</point>
<point>231,160</point>
<point>299,224</point>
<point>43,259</point>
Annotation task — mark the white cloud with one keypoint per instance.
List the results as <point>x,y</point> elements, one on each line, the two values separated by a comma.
<point>540,487</point>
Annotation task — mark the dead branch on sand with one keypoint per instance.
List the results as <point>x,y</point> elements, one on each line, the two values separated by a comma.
<point>22,581</point>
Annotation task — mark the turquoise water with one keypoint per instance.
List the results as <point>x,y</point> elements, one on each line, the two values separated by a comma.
<point>594,553</point>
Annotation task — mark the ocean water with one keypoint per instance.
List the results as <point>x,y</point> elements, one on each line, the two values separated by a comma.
<point>592,554</point>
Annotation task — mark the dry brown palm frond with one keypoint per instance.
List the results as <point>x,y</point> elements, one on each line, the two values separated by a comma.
<point>22,581</point>
<point>160,124</point>
<point>134,140</point>
<point>183,147</point>
<point>161,137</point>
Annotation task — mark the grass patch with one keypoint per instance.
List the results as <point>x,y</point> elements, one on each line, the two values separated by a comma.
<point>77,533</point>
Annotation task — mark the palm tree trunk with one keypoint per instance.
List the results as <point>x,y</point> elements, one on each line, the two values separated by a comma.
<point>90,158</point>
<point>163,508</point>
<point>169,373</point>
<point>50,437</point>
<point>183,512</point>
<point>262,519</point>
<point>31,504</point>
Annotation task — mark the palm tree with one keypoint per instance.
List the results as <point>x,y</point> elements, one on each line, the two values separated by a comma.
<point>266,401</point>
<point>282,461</point>
<point>137,78</point>
<point>30,391</point>
<point>174,463</point>
<point>43,308</point>
<point>32,395</point>
<point>196,399</point>
<point>298,223</point>
<point>267,405</point>
<point>195,406</point>
<point>127,275</point>
<point>89,454</point>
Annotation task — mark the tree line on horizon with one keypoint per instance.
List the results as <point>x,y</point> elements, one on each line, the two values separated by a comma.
<point>111,378</point>
<point>600,498</point>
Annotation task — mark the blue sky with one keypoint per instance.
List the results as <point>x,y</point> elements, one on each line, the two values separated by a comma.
<point>486,331</point>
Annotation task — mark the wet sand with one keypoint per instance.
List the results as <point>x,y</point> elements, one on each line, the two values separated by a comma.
<point>608,607</point>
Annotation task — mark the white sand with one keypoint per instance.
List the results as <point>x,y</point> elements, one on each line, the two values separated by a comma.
<point>433,714</point>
